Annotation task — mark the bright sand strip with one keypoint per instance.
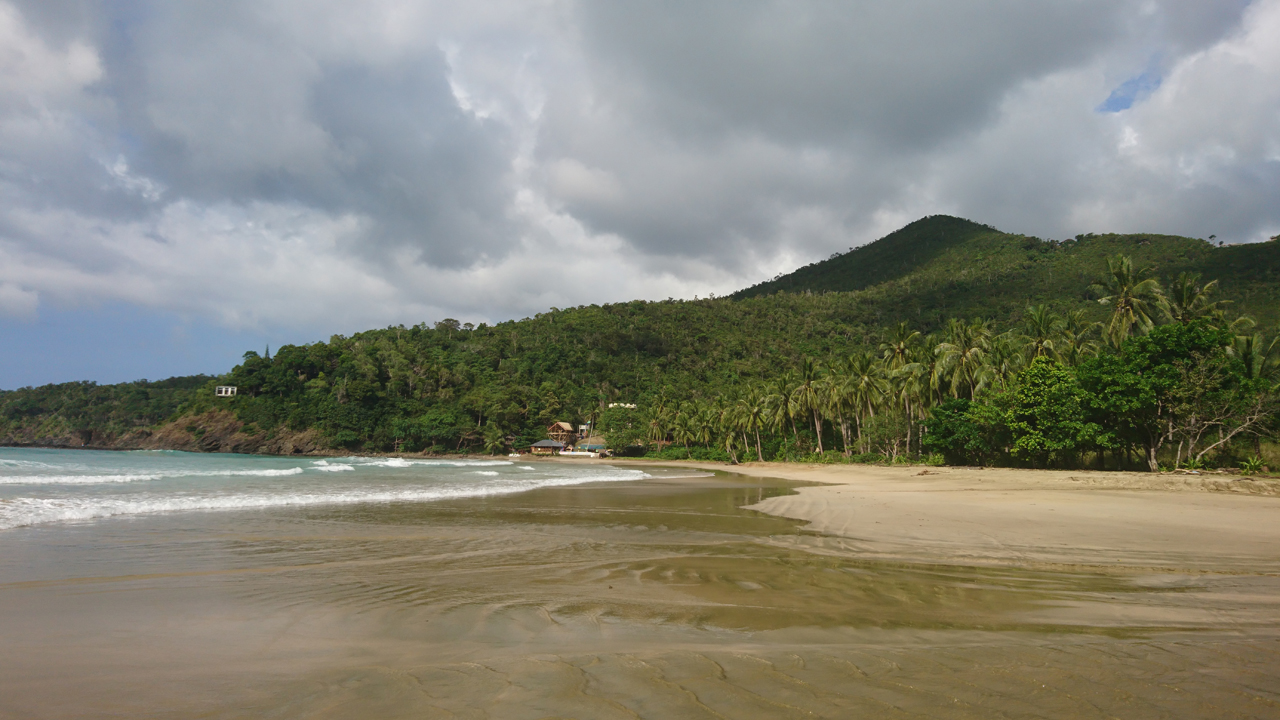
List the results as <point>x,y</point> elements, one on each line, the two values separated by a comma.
<point>1035,517</point>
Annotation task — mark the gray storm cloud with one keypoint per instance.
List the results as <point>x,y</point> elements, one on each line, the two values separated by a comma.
<point>336,165</point>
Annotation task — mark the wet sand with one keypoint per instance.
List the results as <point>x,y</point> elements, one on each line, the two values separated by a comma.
<point>663,598</point>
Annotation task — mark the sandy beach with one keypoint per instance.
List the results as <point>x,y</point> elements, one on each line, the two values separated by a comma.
<point>1206,522</point>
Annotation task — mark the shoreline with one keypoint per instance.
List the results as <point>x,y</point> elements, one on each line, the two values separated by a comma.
<point>1165,522</point>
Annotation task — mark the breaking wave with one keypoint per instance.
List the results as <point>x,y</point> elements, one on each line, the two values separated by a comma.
<point>396,462</point>
<point>24,511</point>
<point>139,477</point>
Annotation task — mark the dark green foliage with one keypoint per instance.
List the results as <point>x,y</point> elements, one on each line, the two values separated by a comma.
<point>967,433</point>
<point>894,256</point>
<point>1133,393</point>
<point>1046,417</point>
<point>943,267</point>
<point>950,432</point>
<point>81,409</point>
<point>1178,384</point>
<point>622,427</point>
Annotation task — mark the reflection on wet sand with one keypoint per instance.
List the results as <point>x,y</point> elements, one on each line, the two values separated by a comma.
<point>658,599</point>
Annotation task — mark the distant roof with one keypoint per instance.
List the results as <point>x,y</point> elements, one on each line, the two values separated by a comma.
<point>548,443</point>
<point>562,425</point>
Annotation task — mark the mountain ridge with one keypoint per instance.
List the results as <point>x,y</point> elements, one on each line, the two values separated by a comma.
<point>954,266</point>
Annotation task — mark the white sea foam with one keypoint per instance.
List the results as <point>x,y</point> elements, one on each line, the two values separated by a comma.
<point>24,511</point>
<point>74,479</point>
<point>241,473</point>
<point>333,467</point>
<point>9,462</point>
<point>140,477</point>
<point>485,472</point>
<point>396,462</point>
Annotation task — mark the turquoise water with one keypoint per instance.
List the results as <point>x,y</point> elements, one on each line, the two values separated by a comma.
<point>43,487</point>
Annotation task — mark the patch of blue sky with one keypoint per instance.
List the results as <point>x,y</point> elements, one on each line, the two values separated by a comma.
<point>1130,91</point>
<point>118,343</point>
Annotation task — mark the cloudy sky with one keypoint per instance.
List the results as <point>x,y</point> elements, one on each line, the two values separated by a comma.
<point>182,181</point>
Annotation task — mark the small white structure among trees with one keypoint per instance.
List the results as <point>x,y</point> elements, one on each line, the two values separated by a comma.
<point>225,391</point>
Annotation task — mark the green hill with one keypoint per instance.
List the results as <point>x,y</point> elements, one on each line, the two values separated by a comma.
<point>940,267</point>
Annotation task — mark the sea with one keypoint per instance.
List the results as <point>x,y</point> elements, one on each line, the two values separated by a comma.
<point>41,487</point>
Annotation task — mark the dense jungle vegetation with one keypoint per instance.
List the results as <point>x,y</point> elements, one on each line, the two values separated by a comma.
<point>79,409</point>
<point>946,339</point>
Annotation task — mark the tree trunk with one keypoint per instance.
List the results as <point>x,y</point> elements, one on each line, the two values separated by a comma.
<point>759,452</point>
<point>817,425</point>
<point>1152,464</point>
<point>844,434</point>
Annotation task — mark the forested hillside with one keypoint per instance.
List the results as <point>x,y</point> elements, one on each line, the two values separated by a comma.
<point>86,413</point>
<point>939,325</point>
<point>942,267</point>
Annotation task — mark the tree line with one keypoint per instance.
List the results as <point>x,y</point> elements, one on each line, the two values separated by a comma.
<point>1167,371</point>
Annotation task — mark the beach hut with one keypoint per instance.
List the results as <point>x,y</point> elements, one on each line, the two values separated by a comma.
<point>546,447</point>
<point>562,432</point>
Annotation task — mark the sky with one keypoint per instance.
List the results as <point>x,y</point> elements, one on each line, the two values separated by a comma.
<point>184,181</point>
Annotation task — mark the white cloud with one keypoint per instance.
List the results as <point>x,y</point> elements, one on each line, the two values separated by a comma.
<point>30,69</point>
<point>334,166</point>
<point>15,302</point>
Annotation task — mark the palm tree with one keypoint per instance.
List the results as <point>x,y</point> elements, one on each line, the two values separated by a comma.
<point>1261,359</point>
<point>963,357</point>
<point>836,399</point>
<point>1075,343</point>
<point>806,397</point>
<point>683,429</point>
<point>931,369</point>
<point>752,414</point>
<point>779,401</point>
<point>1189,300</point>
<point>494,439</point>
<point>1041,326</point>
<point>731,447</point>
<point>896,349</point>
<point>660,424</point>
<point>864,387</point>
<point>1005,358</point>
<point>705,420</point>
<point>1136,302</point>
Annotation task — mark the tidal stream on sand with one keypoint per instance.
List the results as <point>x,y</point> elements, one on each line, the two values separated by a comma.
<point>654,595</point>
